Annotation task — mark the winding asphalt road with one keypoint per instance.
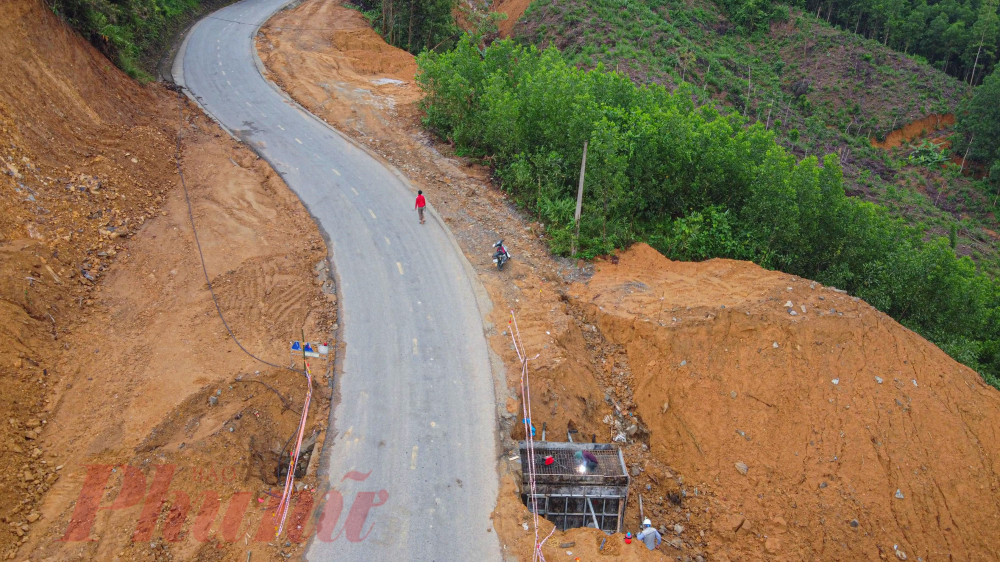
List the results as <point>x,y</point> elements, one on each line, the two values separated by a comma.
<point>417,400</point>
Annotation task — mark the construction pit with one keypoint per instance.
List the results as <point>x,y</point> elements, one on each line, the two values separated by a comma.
<point>559,484</point>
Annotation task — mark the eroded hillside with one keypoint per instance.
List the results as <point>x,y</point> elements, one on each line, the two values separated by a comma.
<point>112,353</point>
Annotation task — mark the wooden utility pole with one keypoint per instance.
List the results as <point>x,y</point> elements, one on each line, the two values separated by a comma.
<point>579,201</point>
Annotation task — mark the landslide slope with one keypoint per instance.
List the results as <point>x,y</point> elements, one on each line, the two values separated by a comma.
<point>831,410</point>
<point>110,344</point>
<point>84,164</point>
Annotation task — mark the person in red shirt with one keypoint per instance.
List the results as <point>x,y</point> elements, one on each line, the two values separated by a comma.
<point>419,205</point>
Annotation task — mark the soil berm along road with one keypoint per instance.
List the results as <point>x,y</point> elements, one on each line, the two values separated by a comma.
<point>417,405</point>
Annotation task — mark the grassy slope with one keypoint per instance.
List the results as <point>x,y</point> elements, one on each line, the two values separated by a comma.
<point>854,88</point>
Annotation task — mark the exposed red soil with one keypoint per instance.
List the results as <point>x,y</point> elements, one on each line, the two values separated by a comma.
<point>514,9</point>
<point>915,130</point>
<point>111,344</point>
<point>833,410</point>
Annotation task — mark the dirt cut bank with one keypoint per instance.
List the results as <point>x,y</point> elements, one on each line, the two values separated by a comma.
<point>132,423</point>
<point>821,427</point>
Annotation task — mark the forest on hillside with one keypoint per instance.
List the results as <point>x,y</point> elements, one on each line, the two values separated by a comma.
<point>960,37</point>
<point>695,183</point>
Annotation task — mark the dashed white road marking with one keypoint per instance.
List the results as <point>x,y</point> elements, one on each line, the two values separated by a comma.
<point>399,266</point>
<point>335,171</point>
<point>415,346</point>
<point>355,191</point>
<point>372,213</point>
<point>298,141</point>
<point>223,72</point>
<point>248,103</point>
<point>387,243</point>
<point>228,82</point>
<point>280,127</point>
<point>413,458</point>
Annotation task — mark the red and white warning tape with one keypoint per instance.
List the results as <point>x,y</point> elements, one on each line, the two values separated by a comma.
<point>286,495</point>
<point>536,554</point>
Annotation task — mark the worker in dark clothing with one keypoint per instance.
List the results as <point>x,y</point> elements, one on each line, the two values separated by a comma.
<point>586,461</point>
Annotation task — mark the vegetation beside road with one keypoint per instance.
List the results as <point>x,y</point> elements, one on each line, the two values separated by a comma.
<point>133,34</point>
<point>696,182</point>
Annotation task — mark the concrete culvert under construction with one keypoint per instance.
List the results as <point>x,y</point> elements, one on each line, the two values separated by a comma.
<point>576,484</point>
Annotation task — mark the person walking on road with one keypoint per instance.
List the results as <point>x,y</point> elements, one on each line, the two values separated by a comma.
<point>419,205</point>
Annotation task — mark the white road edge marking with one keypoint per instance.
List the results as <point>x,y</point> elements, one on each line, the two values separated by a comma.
<point>413,458</point>
<point>399,266</point>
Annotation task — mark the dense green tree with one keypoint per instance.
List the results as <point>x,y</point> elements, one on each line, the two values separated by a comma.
<point>979,122</point>
<point>697,183</point>
<point>413,25</point>
<point>132,33</point>
<point>951,34</point>
<point>980,54</point>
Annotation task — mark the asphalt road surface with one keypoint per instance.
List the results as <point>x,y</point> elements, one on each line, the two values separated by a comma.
<point>417,401</point>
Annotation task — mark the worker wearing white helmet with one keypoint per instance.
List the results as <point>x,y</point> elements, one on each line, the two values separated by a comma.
<point>650,536</point>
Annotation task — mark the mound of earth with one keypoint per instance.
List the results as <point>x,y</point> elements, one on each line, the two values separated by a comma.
<point>816,426</point>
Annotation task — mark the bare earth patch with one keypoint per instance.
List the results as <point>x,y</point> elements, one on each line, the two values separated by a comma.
<point>129,413</point>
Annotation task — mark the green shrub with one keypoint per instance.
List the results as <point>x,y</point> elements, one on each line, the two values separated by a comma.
<point>695,183</point>
<point>927,154</point>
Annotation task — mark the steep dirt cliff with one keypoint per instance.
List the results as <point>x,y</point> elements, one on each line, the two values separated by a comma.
<point>110,345</point>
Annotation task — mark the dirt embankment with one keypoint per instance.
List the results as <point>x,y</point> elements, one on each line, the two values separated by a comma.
<point>604,370</point>
<point>111,345</point>
<point>915,130</point>
<point>856,435</point>
<point>513,9</point>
